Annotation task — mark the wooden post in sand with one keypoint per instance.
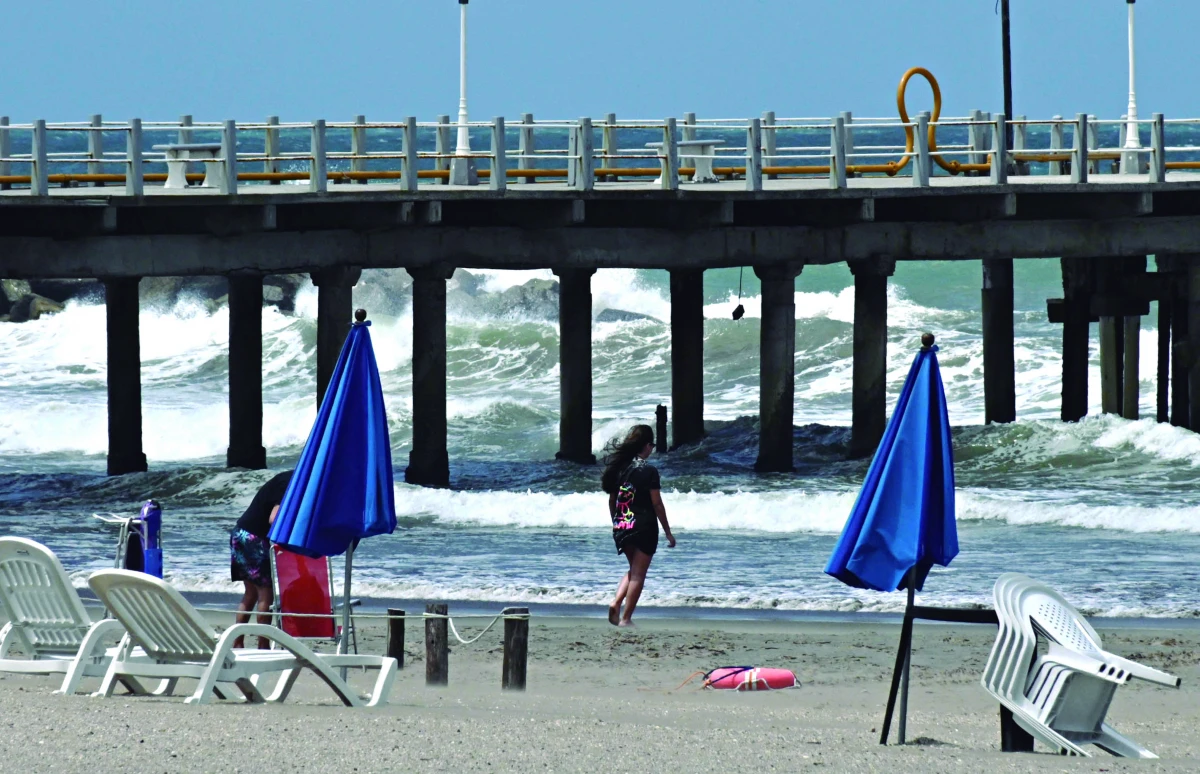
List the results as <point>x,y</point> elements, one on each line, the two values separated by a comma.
<point>437,647</point>
<point>516,648</point>
<point>395,636</point>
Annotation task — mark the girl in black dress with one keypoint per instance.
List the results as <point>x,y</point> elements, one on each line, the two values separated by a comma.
<point>636,508</point>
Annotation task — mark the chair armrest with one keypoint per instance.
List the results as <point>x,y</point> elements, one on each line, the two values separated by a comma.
<point>1143,672</point>
<point>7,636</point>
<point>1083,664</point>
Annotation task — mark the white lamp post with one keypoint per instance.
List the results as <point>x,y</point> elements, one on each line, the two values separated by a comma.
<point>462,171</point>
<point>1131,162</point>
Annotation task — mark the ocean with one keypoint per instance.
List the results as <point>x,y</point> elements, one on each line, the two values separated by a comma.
<point>1105,509</point>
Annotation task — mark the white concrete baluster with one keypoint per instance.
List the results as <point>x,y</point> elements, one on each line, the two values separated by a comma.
<point>499,177</point>
<point>318,175</point>
<point>1056,144</point>
<point>1019,143</point>
<point>358,147</point>
<point>769,143</point>
<point>1093,143</point>
<point>670,162</point>
<point>526,147</point>
<point>687,132</point>
<point>1158,146</point>
<point>999,160</point>
<point>837,154</point>
<point>185,133</point>
<point>96,147</point>
<point>39,183</point>
<point>585,180</point>
<point>271,146</point>
<point>133,169</point>
<point>609,140</point>
<point>848,139</point>
<point>978,138</point>
<point>920,176</point>
<point>573,156</point>
<point>441,148</point>
<point>229,181</point>
<point>754,155</point>
<point>1079,162</point>
<point>5,152</point>
<point>410,177</point>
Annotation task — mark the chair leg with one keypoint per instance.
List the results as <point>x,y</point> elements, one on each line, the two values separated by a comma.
<point>1120,745</point>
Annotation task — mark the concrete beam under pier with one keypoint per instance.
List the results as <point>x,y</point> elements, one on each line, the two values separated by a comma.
<point>999,367</point>
<point>777,367</point>
<point>687,356</point>
<point>335,302</point>
<point>245,373</point>
<point>429,460</point>
<point>124,377</point>
<point>575,365</point>
<point>869,392</point>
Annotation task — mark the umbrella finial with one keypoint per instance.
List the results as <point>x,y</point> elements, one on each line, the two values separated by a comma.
<point>926,341</point>
<point>360,315</point>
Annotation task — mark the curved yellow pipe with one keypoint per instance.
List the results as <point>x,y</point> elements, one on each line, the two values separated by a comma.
<point>953,167</point>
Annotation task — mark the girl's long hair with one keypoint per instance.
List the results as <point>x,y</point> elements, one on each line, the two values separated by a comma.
<point>618,454</point>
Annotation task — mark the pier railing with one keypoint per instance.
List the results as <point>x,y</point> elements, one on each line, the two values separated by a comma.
<point>585,154</point>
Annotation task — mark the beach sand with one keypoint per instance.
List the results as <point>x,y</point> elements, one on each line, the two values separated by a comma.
<point>600,699</point>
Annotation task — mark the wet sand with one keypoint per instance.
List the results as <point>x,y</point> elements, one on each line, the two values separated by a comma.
<point>601,699</point>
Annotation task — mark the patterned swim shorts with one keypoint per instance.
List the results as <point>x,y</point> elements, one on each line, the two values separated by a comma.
<point>249,558</point>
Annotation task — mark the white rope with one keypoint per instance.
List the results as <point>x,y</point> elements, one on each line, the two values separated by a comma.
<point>458,636</point>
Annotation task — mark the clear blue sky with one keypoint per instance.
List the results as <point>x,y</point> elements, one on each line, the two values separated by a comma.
<point>332,59</point>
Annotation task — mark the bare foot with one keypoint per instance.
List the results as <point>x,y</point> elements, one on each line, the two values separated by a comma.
<point>626,625</point>
<point>264,643</point>
<point>614,614</point>
<point>239,642</point>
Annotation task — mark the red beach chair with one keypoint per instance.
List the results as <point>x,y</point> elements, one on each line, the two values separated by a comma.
<point>305,585</point>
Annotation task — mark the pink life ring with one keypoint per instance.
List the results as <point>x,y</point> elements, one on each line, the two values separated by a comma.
<point>750,679</point>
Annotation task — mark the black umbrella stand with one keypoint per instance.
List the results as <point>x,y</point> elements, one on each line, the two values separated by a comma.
<point>1013,738</point>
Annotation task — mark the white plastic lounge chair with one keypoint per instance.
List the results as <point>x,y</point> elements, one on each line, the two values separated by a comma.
<point>1061,696</point>
<point>48,622</point>
<point>179,643</point>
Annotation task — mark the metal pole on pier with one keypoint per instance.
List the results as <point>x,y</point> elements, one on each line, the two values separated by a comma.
<point>1006,52</point>
<point>461,169</point>
<point>1131,162</point>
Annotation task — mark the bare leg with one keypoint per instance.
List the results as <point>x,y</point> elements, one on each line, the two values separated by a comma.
<point>266,595</point>
<point>639,563</point>
<point>249,599</point>
<point>614,610</point>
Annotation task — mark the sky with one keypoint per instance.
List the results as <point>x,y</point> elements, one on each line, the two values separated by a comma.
<point>386,59</point>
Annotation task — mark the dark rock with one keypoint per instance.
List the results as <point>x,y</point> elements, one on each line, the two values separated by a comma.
<point>63,290</point>
<point>285,286</point>
<point>468,283</point>
<point>385,292</point>
<point>11,291</point>
<point>620,315</point>
<point>32,306</point>
<point>535,300</point>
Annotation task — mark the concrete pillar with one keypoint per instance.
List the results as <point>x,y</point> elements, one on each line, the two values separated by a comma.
<point>1077,289</point>
<point>999,368</point>
<point>335,302</point>
<point>687,356</point>
<point>429,461</point>
<point>245,374</point>
<point>777,367</point>
<point>1180,355</point>
<point>869,393</point>
<point>575,365</point>
<point>1193,323</point>
<point>124,377</point>
<point>1112,336</point>
<point>1130,378</point>
<point>1162,383</point>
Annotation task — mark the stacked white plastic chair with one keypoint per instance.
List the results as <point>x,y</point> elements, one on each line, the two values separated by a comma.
<point>47,620</point>
<point>1060,696</point>
<point>179,643</point>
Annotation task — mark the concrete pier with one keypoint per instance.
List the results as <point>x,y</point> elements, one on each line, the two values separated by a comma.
<point>1131,381</point>
<point>687,356</point>
<point>1193,324</point>
<point>335,307</point>
<point>777,367</point>
<point>245,373</point>
<point>575,365</point>
<point>869,393</point>
<point>999,368</point>
<point>429,461</point>
<point>1180,356</point>
<point>124,377</point>
<point>1077,291</point>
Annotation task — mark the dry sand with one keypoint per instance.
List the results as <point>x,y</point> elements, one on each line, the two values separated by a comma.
<point>600,700</point>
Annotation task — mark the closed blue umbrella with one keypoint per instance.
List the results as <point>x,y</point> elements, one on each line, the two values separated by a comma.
<point>903,520</point>
<point>341,491</point>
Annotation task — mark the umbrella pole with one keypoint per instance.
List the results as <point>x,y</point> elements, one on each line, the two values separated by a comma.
<point>343,640</point>
<point>907,645</point>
